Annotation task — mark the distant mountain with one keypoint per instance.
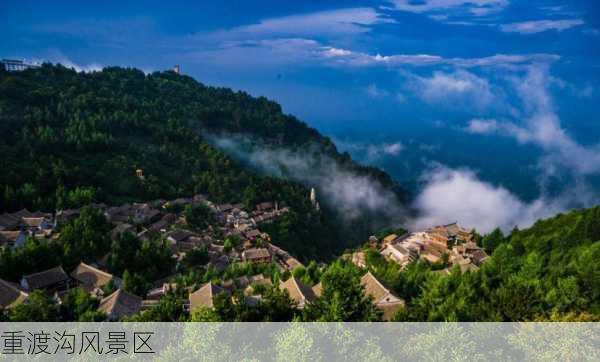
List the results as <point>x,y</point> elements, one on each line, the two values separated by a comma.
<point>68,138</point>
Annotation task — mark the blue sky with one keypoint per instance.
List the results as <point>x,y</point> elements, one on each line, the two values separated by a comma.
<point>502,93</point>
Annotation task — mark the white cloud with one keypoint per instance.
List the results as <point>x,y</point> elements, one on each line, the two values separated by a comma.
<point>458,89</point>
<point>375,92</point>
<point>56,56</point>
<point>305,51</point>
<point>87,68</point>
<point>348,192</point>
<point>443,7</point>
<point>482,126</point>
<point>370,152</point>
<point>453,195</point>
<point>540,125</point>
<point>543,126</point>
<point>334,22</point>
<point>393,149</point>
<point>489,126</point>
<point>538,26</point>
<point>352,58</point>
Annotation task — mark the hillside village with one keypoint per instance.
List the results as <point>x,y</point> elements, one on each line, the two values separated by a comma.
<point>448,244</point>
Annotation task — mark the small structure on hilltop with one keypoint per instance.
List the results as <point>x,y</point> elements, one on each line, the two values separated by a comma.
<point>17,65</point>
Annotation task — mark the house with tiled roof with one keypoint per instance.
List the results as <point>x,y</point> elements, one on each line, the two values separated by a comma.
<point>178,236</point>
<point>91,279</point>
<point>120,229</point>
<point>397,253</point>
<point>318,289</point>
<point>34,222</point>
<point>252,234</point>
<point>300,293</point>
<point>478,257</point>
<point>204,297</point>
<point>13,238</point>
<point>358,258</point>
<point>292,263</point>
<point>469,256</point>
<point>264,206</point>
<point>11,295</point>
<point>381,297</point>
<point>257,255</point>
<point>144,213</point>
<point>260,279</point>
<point>163,224</point>
<point>51,280</point>
<point>389,239</point>
<point>120,304</point>
<point>9,222</point>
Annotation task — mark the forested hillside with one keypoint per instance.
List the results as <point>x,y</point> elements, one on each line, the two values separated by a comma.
<point>69,138</point>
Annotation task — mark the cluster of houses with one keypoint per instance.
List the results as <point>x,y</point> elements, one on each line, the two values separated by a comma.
<point>147,220</point>
<point>381,297</point>
<point>450,243</point>
<point>119,303</point>
<point>158,218</point>
<point>300,293</point>
<point>16,227</point>
<point>234,222</point>
<point>57,282</point>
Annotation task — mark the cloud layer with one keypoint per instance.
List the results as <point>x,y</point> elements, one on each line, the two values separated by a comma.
<point>351,194</point>
<point>457,89</point>
<point>371,152</point>
<point>538,26</point>
<point>436,7</point>
<point>540,125</point>
<point>451,195</point>
<point>349,21</point>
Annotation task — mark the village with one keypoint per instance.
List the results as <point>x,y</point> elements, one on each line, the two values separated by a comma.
<point>445,245</point>
<point>450,245</point>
